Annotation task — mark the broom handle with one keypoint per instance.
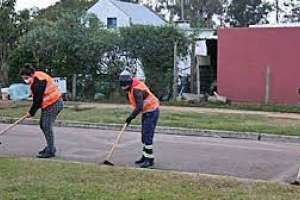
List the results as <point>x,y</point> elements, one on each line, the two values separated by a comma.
<point>116,143</point>
<point>298,176</point>
<point>12,125</point>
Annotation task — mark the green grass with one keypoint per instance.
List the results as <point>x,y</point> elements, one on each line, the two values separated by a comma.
<point>241,106</point>
<point>223,121</point>
<point>233,106</point>
<point>25,179</point>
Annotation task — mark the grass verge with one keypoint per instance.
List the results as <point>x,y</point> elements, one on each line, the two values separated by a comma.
<point>36,179</point>
<point>240,106</point>
<point>220,121</point>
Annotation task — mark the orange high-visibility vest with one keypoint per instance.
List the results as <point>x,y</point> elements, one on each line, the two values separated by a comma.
<point>52,93</point>
<point>151,103</point>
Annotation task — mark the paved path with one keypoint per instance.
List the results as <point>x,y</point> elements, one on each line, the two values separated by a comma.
<point>240,158</point>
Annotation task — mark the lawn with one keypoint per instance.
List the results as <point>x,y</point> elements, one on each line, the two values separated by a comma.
<point>220,121</point>
<point>242,106</point>
<point>36,179</point>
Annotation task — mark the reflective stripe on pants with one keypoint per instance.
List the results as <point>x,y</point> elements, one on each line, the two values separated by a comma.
<point>149,122</point>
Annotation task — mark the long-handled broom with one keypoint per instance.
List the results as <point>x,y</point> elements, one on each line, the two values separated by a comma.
<point>109,155</point>
<point>12,125</point>
<point>297,181</point>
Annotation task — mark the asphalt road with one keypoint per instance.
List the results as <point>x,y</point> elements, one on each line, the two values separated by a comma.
<point>230,157</point>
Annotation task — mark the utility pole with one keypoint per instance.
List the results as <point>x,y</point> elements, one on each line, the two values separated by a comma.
<point>268,85</point>
<point>277,10</point>
<point>175,73</point>
<point>172,10</point>
<point>198,75</point>
<point>182,10</point>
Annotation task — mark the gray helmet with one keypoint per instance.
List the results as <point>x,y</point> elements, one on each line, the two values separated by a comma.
<point>125,78</point>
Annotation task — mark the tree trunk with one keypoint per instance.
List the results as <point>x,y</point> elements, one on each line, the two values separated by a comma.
<point>3,75</point>
<point>74,81</point>
<point>3,65</point>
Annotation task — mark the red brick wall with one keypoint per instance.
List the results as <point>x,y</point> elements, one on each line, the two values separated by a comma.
<point>245,53</point>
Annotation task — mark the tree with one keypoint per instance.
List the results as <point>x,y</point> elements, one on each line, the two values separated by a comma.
<point>291,11</point>
<point>197,12</point>
<point>8,35</point>
<point>65,6</point>
<point>13,25</point>
<point>243,13</point>
<point>154,47</point>
<point>75,44</point>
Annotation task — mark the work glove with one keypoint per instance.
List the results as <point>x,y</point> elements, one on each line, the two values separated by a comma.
<point>128,120</point>
<point>28,115</point>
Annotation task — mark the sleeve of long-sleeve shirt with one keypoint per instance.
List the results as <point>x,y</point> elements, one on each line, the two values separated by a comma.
<point>139,99</point>
<point>38,89</point>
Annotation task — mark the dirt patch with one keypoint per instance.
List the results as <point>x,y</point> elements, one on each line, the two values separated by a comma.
<point>286,121</point>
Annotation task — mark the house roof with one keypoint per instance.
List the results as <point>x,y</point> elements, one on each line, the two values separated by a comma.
<point>139,14</point>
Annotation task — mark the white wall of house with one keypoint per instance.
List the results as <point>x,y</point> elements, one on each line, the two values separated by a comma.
<point>105,9</point>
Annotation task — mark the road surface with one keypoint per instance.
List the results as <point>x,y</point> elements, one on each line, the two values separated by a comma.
<point>230,157</point>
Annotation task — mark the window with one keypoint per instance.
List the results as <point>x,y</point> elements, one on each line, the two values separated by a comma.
<point>112,22</point>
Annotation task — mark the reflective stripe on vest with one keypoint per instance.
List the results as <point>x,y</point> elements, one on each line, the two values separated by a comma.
<point>52,93</point>
<point>151,103</point>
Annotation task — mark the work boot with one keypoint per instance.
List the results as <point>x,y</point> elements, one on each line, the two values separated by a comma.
<point>296,182</point>
<point>46,149</point>
<point>47,153</point>
<point>54,150</point>
<point>140,161</point>
<point>43,151</point>
<point>149,162</point>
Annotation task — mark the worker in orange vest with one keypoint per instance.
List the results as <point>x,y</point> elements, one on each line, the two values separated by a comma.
<point>143,101</point>
<point>46,95</point>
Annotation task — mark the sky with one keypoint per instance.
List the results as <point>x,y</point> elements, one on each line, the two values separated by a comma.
<point>22,4</point>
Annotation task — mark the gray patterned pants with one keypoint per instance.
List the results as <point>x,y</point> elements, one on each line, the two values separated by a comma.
<point>47,120</point>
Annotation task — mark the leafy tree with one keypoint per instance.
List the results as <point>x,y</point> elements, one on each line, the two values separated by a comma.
<point>13,25</point>
<point>8,35</point>
<point>243,13</point>
<point>291,11</point>
<point>154,47</point>
<point>198,12</point>
<point>54,12</point>
<point>72,42</point>
<point>75,44</point>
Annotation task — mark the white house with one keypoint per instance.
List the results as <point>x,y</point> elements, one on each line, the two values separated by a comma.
<point>115,14</point>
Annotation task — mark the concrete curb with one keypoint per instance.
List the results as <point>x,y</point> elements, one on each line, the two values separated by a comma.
<point>168,130</point>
